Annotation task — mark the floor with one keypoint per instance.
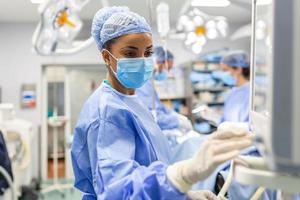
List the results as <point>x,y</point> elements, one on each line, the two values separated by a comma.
<point>64,194</point>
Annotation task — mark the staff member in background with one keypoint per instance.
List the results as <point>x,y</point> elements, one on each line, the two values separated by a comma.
<point>166,118</point>
<point>236,64</point>
<point>119,151</point>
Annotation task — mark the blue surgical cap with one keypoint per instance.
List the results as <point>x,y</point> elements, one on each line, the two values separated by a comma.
<point>238,59</point>
<point>113,22</point>
<point>161,55</point>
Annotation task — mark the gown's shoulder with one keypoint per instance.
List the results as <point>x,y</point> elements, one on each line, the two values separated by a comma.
<point>112,108</point>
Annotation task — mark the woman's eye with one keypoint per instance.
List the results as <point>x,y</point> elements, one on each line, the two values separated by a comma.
<point>149,53</point>
<point>130,55</point>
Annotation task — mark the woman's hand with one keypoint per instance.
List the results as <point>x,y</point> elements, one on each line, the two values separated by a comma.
<point>221,146</point>
<point>201,195</point>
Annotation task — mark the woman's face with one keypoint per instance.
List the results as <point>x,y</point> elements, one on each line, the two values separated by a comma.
<point>235,72</point>
<point>137,45</point>
<point>164,65</point>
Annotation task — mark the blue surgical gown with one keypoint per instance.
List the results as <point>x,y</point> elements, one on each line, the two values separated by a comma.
<point>165,117</point>
<point>236,107</point>
<point>118,151</point>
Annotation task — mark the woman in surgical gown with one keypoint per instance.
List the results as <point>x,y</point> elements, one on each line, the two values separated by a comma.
<point>236,65</point>
<point>118,151</point>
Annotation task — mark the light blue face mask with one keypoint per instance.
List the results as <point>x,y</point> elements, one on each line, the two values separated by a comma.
<point>133,73</point>
<point>161,76</point>
<point>228,79</point>
<point>225,77</point>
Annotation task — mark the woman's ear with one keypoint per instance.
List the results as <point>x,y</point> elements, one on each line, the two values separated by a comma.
<point>106,57</point>
<point>239,71</point>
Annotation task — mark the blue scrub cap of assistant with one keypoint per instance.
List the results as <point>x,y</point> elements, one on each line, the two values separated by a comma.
<point>113,22</point>
<point>161,55</point>
<point>238,59</point>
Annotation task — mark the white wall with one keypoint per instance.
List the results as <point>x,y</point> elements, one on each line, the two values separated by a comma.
<point>19,65</point>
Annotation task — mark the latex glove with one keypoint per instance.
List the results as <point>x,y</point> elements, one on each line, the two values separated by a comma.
<point>234,126</point>
<point>184,123</point>
<point>209,114</point>
<point>201,195</point>
<point>221,146</point>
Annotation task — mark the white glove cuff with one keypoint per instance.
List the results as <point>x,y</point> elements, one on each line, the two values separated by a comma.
<point>174,174</point>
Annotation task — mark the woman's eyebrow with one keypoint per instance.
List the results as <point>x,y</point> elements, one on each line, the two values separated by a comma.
<point>130,47</point>
<point>150,47</point>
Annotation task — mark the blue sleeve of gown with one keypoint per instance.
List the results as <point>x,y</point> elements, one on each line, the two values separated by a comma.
<point>118,175</point>
<point>165,117</point>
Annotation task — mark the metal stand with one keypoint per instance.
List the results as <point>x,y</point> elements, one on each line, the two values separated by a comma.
<point>56,122</point>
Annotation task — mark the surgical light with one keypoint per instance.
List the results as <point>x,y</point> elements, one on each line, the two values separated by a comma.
<point>189,26</point>
<point>197,48</point>
<point>60,23</point>
<point>198,21</point>
<point>192,37</point>
<point>223,32</point>
<point>200,30</point>
<point>200,27</point>
<point>201,40</point>
<point>211,24</point>
<point>210,3</point>
<point>180,27</point>
<point>222,24</point>
<point>212,33</point>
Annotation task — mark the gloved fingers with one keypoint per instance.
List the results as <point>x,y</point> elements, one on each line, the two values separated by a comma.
<point>210,196</point>
<point>234,126</point>
<point>201,195</point>
<point>240,161</point>
<point>221,135</point>
<point>248,137</point>
<point>231,145</point>
<point>251,136</point>
<point>219,159</point>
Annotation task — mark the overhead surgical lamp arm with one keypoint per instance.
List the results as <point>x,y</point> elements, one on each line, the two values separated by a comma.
<point>76,49</point>
<point>53,49</point>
